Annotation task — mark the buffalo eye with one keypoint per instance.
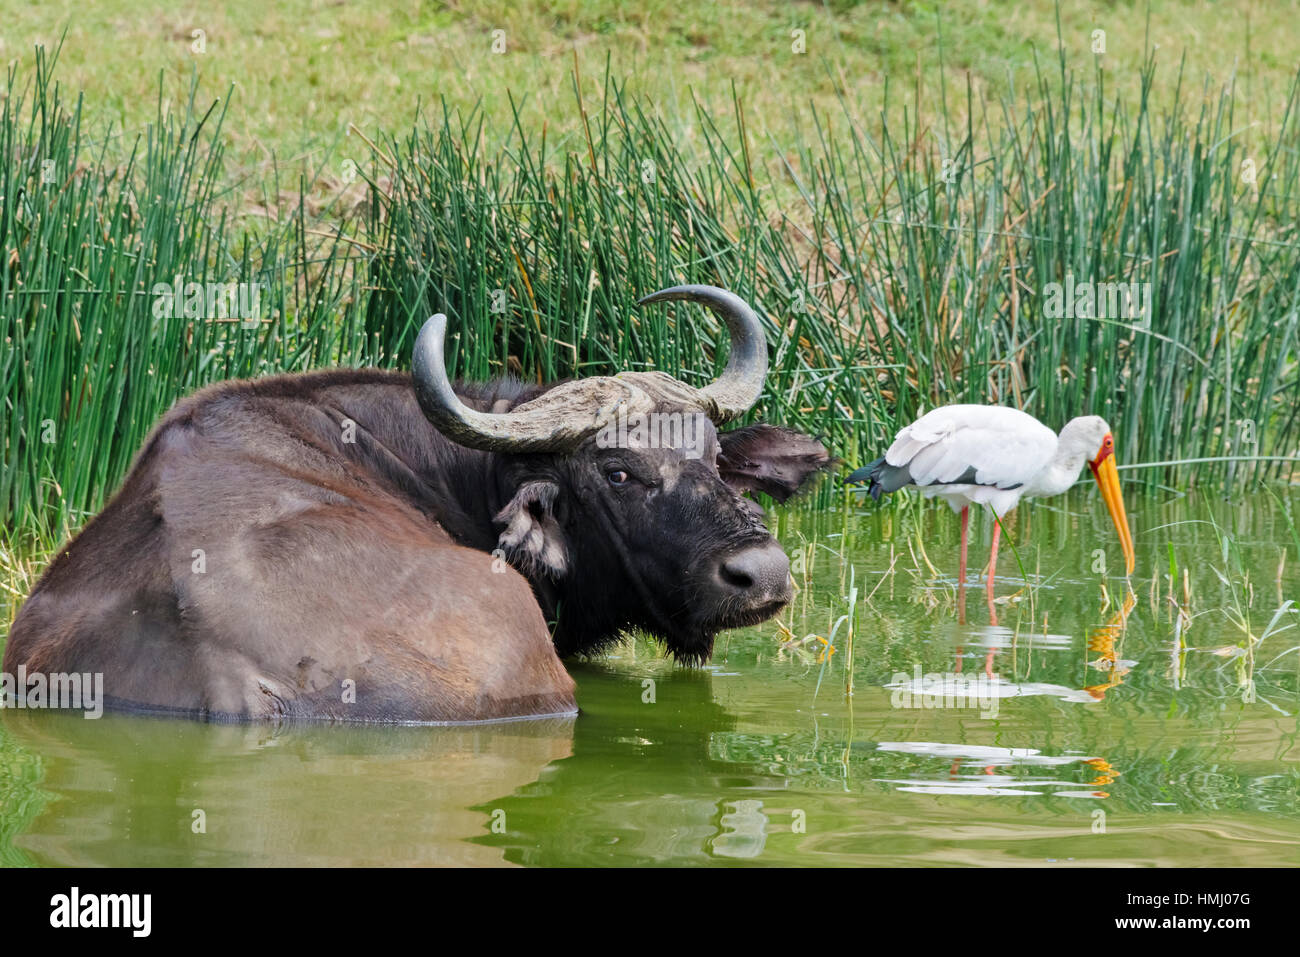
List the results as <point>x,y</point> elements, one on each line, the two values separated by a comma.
<point>617,477</point>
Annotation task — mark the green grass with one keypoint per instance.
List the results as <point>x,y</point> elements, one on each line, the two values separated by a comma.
<point>896,269</point>
<point>306,69</point>
<point>87,365</point>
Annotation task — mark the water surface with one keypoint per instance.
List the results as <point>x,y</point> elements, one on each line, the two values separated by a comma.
<point>1157,727</point>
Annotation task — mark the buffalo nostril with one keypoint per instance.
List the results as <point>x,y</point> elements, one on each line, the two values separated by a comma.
<point>762,571</point>
<point>735,573</point>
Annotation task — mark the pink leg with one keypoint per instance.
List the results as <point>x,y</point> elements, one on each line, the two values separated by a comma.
<point>993,555</point>
<point>965,525</point>
<point>961,577</point>
<point>992,570</point>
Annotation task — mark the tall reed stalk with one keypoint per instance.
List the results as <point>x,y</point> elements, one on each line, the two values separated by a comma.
<point>897,266</point>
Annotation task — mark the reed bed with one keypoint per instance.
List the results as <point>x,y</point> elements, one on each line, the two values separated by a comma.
<point>896,266</point>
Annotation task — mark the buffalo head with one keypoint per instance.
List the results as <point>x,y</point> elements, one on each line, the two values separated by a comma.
<point>624,504</point>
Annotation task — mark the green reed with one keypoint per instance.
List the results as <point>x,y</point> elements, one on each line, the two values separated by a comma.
<point>895,272</point>
<point>897,265</point>
<point>91,357</point>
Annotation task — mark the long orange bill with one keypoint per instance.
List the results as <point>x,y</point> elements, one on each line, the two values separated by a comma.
<point>1107,476</point>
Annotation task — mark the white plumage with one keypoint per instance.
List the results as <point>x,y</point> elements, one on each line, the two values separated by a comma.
<point>995,456</point>
<point>1005,447</point>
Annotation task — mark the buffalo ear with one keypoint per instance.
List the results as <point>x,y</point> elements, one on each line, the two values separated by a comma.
<point>533,540</point>
<point>767,458</point>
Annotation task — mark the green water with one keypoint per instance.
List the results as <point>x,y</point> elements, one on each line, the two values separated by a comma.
<point>1171,740</point>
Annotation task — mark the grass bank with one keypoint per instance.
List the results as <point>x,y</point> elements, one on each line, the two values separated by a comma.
<point>931,260</point>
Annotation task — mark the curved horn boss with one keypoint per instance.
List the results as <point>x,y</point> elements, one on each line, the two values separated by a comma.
<point>741,382</point>
<point>564,416</point>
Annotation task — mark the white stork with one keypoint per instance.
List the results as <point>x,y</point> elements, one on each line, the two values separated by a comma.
<point>992,455</point>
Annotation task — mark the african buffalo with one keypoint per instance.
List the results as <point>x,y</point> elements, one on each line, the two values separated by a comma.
<point>377,546</point>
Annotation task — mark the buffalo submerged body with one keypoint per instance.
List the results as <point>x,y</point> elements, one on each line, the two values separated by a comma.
<point>365,545</point>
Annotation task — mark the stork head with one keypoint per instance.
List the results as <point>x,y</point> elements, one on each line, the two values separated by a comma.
<point>1090,437</point>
